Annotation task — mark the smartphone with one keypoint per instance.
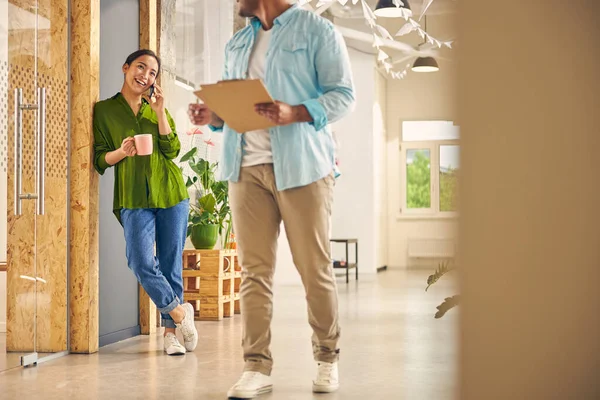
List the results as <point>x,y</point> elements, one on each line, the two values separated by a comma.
<point>151,91</point>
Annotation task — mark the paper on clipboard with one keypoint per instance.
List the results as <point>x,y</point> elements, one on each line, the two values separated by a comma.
<point>233,101</point>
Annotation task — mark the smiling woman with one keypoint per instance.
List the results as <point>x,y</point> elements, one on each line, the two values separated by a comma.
<point>135,134</point>
<point>138,62</point>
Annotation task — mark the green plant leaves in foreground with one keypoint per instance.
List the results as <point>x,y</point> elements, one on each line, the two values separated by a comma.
<point>448,304</point>
<point>189,155</point>
<point>442,270</point>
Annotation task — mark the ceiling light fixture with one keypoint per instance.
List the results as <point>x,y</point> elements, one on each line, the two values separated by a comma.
<point>389,9</point>
<point>425,64</point>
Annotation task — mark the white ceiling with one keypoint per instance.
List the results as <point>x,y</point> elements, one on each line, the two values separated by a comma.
<point>437,7</point>
<point>440,24</point>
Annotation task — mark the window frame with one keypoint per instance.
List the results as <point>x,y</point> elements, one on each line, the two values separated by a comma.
<point>434,168</point>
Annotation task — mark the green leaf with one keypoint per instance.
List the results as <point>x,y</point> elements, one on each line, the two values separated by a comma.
<point>198,169</point>
<point>189,155</point>
<point>189,182</point>
<point>448,304</point>
<point>208,203</point>
<point>442,270</point>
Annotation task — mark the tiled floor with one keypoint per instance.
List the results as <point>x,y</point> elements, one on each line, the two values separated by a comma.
<point>392,348</point>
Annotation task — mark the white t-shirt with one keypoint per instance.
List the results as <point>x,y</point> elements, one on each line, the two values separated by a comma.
<point>257,147</point>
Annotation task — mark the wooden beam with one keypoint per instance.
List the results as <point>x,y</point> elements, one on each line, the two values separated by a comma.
<point>84,190</point>
<point>148,24</point>
<point>148,40</point>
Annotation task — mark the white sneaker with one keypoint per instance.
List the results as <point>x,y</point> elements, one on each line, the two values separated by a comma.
<point>172,345</point>
<point>188,328</point>
<point>250,385</point>
<point>328,380</point>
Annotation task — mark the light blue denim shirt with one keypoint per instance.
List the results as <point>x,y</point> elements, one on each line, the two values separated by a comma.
<point>307,63</point>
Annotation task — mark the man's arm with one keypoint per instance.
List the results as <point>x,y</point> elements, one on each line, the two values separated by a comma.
<point>216,123</point>
<point>335,80</point>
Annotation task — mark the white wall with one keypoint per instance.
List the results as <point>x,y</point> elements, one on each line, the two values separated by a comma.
<point>119,36</point>
<point>355,207</point>
<point>420,96</point>
<point>381,181</point>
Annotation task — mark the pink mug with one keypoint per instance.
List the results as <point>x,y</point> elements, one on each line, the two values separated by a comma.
<point>143,144</point>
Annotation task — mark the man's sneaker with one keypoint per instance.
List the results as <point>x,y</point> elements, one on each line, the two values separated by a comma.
<point>188,328</point>
<point>250,385</point>
<point>172,345</point>
<point>328,380</point>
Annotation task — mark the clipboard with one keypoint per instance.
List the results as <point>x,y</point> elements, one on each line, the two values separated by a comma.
<point>233,101</point>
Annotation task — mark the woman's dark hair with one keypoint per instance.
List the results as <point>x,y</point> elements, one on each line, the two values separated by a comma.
<point>140,53</point>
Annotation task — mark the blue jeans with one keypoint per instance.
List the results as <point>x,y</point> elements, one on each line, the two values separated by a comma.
<point>160,275</point>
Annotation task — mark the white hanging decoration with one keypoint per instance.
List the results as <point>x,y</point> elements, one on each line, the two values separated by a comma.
<point>382,56</point>
<point>384,32</point>
<point>368,13</point>
<point>429,2</point>
<point>406,29</point>
<point>380,33</point>
<point>406,13</point>
<point>377,42</point>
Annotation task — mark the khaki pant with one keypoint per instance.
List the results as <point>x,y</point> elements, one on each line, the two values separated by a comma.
<point>257,210</point>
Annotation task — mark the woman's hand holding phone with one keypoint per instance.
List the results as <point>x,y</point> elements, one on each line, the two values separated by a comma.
<point>156,99</point>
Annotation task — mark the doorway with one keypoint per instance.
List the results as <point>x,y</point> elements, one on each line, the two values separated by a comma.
<point>34,127</point>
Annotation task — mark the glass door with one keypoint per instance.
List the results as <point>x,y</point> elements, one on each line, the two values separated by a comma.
<point>34,131</point>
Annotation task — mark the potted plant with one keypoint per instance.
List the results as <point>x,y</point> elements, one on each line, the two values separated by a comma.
<point>210,214</point>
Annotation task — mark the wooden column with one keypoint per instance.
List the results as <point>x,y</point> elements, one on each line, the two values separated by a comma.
<point>529,196</point>
<point>83,280</point>
<point>148,40</point>
<point>148,24</point>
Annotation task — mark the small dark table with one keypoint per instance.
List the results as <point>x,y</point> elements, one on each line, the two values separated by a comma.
<point>347,265</point>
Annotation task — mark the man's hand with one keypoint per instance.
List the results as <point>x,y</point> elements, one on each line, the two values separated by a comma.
<point>200,114</point>
<point>283,114</point>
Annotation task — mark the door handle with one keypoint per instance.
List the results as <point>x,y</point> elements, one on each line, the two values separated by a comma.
<point>41,158</point>
<point>19,108</point>
<point>18,150</point>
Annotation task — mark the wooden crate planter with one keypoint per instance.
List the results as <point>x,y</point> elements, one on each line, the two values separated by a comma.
<point>211,283</point>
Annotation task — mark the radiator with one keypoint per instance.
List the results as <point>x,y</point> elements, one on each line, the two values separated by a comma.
<point>431,248</point>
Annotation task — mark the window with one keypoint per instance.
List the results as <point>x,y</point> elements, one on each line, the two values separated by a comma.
<point>449,162</point>
<point>418,178</point>
<point>430,156</point>
<point>190,59</point>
